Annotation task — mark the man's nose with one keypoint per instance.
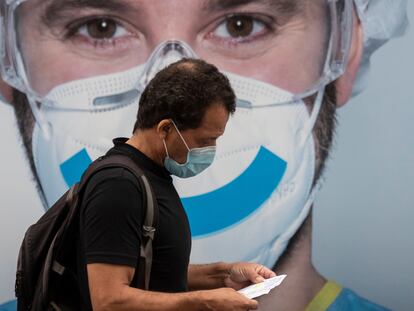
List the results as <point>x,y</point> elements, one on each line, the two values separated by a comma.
<point>166,53</point>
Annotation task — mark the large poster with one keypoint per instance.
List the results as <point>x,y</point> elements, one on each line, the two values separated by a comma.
<point>73,72</point>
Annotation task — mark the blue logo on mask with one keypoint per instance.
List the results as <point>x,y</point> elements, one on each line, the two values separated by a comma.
<point>229,205</point>
<point>73,168</point>
<point>222,208</point>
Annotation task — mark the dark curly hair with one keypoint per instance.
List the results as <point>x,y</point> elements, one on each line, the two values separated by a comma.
<point>182,92</point>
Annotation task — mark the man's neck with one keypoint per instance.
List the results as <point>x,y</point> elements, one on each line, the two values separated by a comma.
<point>303,281</point>
<point>146,142</point>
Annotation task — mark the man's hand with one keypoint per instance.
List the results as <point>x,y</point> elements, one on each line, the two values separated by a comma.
<point>242,274</point>
<point>234,275</point>
<point>225,299</point>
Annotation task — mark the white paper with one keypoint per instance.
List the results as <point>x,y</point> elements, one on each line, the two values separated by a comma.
<point>263,288</point>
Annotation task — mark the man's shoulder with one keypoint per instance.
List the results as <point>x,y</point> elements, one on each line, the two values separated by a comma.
<point>111,176</point>
<point>112,192</point>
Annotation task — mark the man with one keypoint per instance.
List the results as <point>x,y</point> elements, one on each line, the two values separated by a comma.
<point>279,56</point>
<point>182,112</point>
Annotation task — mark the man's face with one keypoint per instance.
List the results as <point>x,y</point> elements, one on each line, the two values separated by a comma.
<point>281,42</point>
<point>211,128</point>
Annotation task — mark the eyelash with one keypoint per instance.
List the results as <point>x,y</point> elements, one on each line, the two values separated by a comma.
<point>267,22</point>
<point>73,31</point>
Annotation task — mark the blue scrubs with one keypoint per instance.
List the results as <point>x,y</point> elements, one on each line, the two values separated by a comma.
<point>333,297</point>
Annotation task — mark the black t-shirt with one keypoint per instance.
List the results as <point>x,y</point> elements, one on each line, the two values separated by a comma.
<point>112,214</point>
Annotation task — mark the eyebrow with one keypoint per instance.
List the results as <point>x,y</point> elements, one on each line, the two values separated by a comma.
<point>282,6</point>
<point>57,9</point>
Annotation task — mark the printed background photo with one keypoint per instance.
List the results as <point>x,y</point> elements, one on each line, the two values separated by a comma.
<point>363,217</point>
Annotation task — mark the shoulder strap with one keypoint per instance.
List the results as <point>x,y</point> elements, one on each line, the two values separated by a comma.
<point>151,215</point>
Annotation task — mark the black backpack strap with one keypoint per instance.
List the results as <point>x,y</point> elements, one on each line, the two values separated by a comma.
<point>151,214</point>
<point>148,233</point>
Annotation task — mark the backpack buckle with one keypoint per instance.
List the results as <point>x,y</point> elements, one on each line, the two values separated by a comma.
<point>148,232</point>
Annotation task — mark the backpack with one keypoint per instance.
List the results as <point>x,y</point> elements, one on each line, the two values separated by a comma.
<point>45,277</point>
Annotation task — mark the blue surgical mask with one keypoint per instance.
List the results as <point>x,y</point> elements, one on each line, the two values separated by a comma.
<point>198,159</point>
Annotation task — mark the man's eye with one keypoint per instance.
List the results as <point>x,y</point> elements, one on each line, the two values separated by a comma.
<point>239,26</point>
<point>100,29</point>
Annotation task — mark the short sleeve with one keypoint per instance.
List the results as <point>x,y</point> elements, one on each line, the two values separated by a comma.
<point>112,220</point>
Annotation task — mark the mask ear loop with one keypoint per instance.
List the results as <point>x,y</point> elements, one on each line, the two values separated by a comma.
<point>306,133</point>
<point>165,147</point>
<point>181,136</point>
<point>39,116</point>
<point>285,237</point>
<point>308,127</point>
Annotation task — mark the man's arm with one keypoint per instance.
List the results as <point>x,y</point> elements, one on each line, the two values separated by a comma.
<point>233,275</point>
<point>109,290</point>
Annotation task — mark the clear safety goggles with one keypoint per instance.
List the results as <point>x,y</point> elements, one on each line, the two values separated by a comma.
<point>298,46</point>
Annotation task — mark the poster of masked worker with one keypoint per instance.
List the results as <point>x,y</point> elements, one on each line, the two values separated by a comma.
<point>311,177</point>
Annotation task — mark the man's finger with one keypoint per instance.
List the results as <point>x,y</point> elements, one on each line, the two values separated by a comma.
<point>253,275</point>
<point>253,304</point>
<point>266,272</point>
<point>259,279</point>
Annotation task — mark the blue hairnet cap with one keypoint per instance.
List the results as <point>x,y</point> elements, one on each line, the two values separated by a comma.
<point>381,21</point>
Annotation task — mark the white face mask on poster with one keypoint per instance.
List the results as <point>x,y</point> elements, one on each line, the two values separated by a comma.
<point>258,189</point>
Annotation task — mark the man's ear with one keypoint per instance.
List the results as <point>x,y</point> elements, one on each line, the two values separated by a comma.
<point>6,92</point>
<point>164,128</point>
<point>345,83</point>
